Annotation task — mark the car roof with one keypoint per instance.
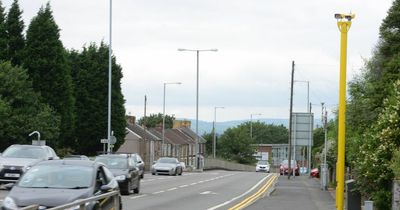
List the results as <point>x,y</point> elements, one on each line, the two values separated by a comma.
<point>28,145</point>
<point>115,155</point>
<point>87,163</point>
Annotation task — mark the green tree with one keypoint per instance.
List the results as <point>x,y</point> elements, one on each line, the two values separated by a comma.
<point>3,34</point>
<point>21,111</point>
<point>90,76</point>
<point>47,66</point>
<point>373,163</point>
<point>236,145</point>
<point>268,133</point>
<point>155,120</point>
<point>16,41</point>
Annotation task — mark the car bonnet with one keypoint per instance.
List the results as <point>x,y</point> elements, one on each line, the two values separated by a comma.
<point>47,197</point>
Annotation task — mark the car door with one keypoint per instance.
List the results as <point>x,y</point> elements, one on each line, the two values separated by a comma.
<point>134,172</point>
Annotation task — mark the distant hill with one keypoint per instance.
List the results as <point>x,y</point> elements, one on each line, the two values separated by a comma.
<point>206,127</point>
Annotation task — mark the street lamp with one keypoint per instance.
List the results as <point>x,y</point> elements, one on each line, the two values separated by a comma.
<point>343,23</point>
<point>109,84</point>
<point>163,120</point>
<point>214,127</point>
<point>197,97</point>
<point>251,124</point>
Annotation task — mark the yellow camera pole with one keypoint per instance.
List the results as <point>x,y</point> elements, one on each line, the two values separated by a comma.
<point>344,23</point>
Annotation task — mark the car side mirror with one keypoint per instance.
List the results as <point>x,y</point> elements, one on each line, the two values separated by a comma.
<point>105,188</point>
<point>139,161</point>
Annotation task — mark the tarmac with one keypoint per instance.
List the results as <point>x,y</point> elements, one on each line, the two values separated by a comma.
<point>299,193</point>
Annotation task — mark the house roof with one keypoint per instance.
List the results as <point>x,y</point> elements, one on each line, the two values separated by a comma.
<point>192,134</point>
<point>145,134</point>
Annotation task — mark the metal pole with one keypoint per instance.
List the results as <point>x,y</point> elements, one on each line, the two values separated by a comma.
<point>197,113</point>
<point>344,27</point>
<point>163,122</point>
<point>214,133</point>
<point>290,117</point>
<point>251,126</point>
<point>109,83</point>
<point>308,97</point>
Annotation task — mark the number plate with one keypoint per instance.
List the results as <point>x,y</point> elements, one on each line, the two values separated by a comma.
<point>11,175</point>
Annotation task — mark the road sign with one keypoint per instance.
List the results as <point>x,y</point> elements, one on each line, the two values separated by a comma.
<point>302,127</point>
<point>113,139</point>
<point>104,141</point>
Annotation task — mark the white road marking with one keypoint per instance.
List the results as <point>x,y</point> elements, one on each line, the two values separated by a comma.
<point>155,193</point>
<point>183,186</point>
<point>139,196</point>
<point>208,193</point>
<point>235,198</point>
<point>193,184</point>
<point>172,189</point>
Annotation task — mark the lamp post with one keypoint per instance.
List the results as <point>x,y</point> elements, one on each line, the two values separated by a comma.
<point>109,84</point>
<point>214,127</point>
<point>251,124</point>
<point>163,120</point>
<point>197,97</point>
<point>343,23</point>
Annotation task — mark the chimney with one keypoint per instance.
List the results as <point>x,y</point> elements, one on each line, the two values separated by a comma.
<point>131,119</point>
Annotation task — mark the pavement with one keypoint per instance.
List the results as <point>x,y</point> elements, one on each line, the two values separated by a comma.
<point>299,193</point>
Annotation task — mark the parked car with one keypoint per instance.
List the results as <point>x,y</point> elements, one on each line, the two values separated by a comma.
<point>54,183</point>
<point>314,173</point>
<point>125,171</point>
<point>139,163</point>
<point>284,167</point>
<point>262,165</point>
<point>167,165</point>
<point>76,157</point>
<point>17,159</point>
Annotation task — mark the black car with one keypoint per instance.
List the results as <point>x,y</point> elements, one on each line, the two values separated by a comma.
<point>54,183</point>
<point>139,163</point>
<point>124,170</point>
<point>17,159</point>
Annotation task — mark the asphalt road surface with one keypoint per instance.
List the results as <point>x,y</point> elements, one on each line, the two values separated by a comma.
<point>208,190</point>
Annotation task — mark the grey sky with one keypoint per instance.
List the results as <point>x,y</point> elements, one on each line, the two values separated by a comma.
<point>257,41</point>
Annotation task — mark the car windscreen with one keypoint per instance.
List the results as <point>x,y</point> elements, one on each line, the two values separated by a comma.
<point>57,176</point>
<point>262,162</point>
<point>113,162</point>
<point>25,152</point>
<point>166,160</point>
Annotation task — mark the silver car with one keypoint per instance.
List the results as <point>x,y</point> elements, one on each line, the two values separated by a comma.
<point>167,165</point>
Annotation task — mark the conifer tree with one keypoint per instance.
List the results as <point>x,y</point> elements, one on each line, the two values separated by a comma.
<point>3,34</point>
<point>47,66</point>
<point>90,76</point>
<point>15,38</point>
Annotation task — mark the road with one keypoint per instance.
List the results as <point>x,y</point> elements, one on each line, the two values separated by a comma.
<point>208,190</point>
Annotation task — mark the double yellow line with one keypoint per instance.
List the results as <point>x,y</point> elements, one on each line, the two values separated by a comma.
<point>249,200</point>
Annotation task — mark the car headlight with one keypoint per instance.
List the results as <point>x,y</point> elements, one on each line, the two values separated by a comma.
<point>26,168</point>
<point>9,203</point>
<point>120,177</point>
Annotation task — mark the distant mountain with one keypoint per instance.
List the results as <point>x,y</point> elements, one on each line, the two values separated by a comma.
<point>206,127</point>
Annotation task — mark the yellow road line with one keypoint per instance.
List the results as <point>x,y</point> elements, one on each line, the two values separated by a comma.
<point>256,195</point>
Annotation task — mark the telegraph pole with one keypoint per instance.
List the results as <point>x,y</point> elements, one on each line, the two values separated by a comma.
<point>290,120</point>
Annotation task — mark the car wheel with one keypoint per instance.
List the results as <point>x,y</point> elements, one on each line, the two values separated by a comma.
<point>142,176</point>
<point>180,174</point>
<point>153,173</point>
<point>137,189</point>
<point>126,189</point>
<point>176,172</point>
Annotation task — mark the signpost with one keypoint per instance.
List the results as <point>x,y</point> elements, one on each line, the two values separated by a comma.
<point>112,141</point>
<point>302,128</point>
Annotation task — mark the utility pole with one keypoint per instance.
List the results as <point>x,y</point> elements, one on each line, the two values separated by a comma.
<point>290,120</point>
<point>324,120</point>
